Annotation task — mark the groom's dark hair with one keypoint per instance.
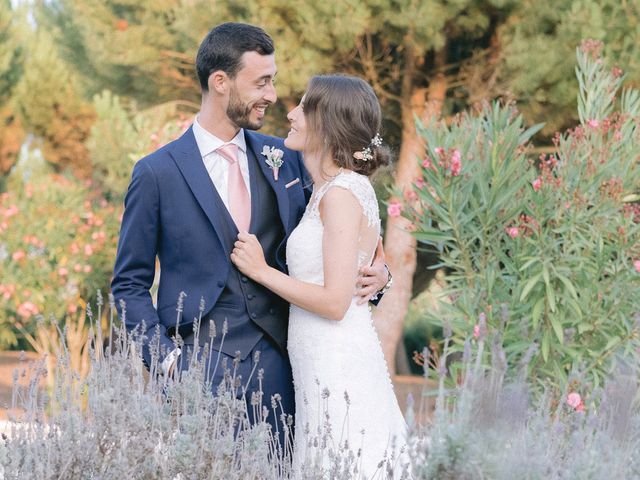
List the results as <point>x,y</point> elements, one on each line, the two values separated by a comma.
<point>223,47</point>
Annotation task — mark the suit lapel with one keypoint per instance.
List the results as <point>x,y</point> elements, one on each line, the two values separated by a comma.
<point>187,157</point>
<point>255,145</point>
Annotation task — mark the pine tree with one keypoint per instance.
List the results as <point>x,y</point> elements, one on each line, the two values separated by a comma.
<point>11,132</point>
<point>539,42</point>
<point>51,108</point>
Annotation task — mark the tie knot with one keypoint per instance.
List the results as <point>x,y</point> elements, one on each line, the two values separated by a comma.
<point>229,151</point>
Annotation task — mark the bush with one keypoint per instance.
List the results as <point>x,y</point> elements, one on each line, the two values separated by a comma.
<point>488,427</point>
<point>59,239</point>
<point>121,136</point>
<point>120,422</point>
<point>545,252</point>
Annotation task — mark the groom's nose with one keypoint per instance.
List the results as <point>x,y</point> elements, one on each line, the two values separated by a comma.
<point>270,95</point>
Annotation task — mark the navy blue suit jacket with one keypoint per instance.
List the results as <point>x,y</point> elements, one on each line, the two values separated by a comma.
<point>170,213</point>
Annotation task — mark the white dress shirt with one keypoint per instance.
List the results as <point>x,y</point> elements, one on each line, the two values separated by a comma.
<point>216,165</point>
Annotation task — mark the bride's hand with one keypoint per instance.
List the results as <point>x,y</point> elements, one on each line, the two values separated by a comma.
<point>248,256</point>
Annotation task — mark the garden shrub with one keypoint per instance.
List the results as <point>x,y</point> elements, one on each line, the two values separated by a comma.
<point>546,250</point>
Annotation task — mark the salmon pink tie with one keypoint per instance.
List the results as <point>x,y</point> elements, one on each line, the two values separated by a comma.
<point>239,203</point>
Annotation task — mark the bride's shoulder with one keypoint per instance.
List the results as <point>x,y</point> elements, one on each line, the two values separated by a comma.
<point>361,188</point>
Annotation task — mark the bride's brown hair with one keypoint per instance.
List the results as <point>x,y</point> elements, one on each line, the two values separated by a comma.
<point>343,116</point>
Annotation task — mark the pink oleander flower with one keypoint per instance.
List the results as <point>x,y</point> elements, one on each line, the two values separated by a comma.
<point>513,232</point>
<point>476,331</point>
<point>88,250</point>
<point>536,184</point>
<point>27,309</point>
<point>580,407</point>
<point>77,268</point>
<point>18,255</point>
<point>593,123</point>
<point>63,272</point>
<point>411,195</point>
<point>394,209</point>
<point>567,205</point>
<point>456,162</point>
<point>419,183</point>
<point>574,400</point>
<point>439,150</point>
<point>87,269</point>
<point>426,163</point>
<point>636,264</point>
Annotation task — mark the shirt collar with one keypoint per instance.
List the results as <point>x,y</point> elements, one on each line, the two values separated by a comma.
<point>208,142</point>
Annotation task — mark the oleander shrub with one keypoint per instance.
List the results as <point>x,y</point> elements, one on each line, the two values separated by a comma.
<point>544,250</point>
<point>58,234</point>
<point>58,238</point>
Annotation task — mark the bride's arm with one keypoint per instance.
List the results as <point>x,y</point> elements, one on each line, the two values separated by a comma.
<point>341,215</point>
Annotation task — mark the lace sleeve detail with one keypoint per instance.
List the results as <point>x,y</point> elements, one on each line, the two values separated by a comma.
<point>361,188</point>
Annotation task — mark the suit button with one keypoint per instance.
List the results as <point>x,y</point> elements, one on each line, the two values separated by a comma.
<point>244,279</point>
<point>254,315</point>
<point>272,311</point>
<point>250,296</point>
<point>220,283</point>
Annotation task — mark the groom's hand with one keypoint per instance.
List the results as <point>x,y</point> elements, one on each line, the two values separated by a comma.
<point>373,278</point>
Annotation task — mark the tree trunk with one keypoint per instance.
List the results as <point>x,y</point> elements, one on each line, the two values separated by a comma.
<point>399,243</point>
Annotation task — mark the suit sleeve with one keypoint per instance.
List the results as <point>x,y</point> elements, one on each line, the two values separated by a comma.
<point>136,259</point>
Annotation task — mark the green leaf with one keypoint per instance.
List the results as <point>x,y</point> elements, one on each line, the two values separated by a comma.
<point>557,328</point>
<point>545,346</point>
<point>529,263</point>
<point>569,285</point>
<point>551,297</point>
<point>432,236</point>
<point>530,284</point>
<point>612,341</point>
<point>545,275</point>
<point>537,313</point>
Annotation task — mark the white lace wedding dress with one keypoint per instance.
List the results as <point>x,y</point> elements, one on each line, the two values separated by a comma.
<point>344,395</point>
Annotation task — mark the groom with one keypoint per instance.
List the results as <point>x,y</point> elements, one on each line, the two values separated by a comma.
<point>186,204</point>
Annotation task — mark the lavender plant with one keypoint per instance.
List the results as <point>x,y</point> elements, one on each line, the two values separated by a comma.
<point>491,426</point>
<point>121,420</point>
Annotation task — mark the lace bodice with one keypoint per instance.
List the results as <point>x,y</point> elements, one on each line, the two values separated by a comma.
<point>306,263</point>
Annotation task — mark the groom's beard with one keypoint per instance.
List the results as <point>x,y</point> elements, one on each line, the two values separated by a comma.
<point>240,113</point>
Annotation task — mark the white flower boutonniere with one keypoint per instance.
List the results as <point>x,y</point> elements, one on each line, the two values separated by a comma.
<point>274,159</point>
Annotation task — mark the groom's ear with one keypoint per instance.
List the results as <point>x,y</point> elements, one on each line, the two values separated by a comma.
<point>219,82</point>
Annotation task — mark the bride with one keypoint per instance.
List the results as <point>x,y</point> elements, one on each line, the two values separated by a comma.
<point>344,396</point>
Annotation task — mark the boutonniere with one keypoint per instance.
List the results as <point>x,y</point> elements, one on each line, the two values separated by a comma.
<point>274,159</point>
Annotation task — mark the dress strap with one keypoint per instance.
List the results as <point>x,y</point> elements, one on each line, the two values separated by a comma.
<point>360,187</point>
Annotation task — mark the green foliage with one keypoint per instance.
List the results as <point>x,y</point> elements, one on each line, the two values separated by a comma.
<point>122,136</point>
<point>138,49</point>
<point>49,104</point>
<point>543,252</point>
<point>540,37</point>
<point>10,52</point>
<point>58,243</point>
